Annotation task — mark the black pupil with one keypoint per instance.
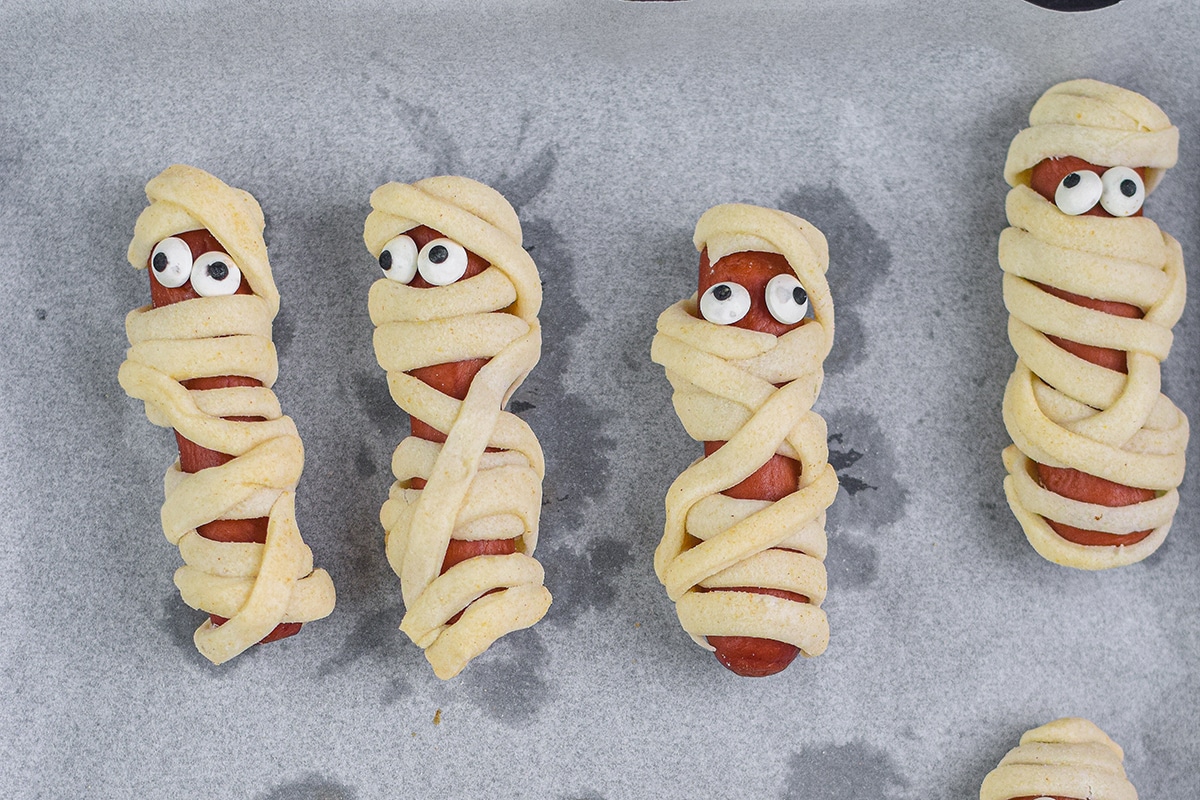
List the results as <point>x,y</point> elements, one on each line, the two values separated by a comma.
<point>218,271</point>
<point>1128,188</point>
<point>438,254</point>
<point>1072,180</point>
<point>160,262</point>
<point>722,292</point>
<point>799,295</point>
<point>385,260</point>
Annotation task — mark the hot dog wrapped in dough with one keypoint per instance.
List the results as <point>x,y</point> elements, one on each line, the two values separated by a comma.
<point>202,361</point>
<point>457,331</point>
<point>1093,289</point>
<point>1068,759</point>
<point>744,542</point>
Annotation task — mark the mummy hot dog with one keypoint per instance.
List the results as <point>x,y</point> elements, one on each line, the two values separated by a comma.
<point>744,543</point>
<point>1068,759</point>
<point>457,332</point>
<point>1093,289</point>
<point>201,359</point>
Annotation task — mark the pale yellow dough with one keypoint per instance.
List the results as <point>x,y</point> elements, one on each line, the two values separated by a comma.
<point>724,381</point>
<point>255,586</point>
<point>470,494</point>
<point>1061,410</point>
<point>1066,758</point>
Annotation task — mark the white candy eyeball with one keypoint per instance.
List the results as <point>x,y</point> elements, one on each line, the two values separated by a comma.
<point>171,262</point>
<point>215,274</point>
<point>442,262</point>
<point>1124,191</point>
<point>725,303</point>
<point>786,299</point>
<point>1078,192</point>
<point>399,259</point>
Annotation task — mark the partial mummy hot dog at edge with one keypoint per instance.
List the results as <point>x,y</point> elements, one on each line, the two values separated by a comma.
<point>202,361</point>
<point>743,548</point>
<point>1093,289</point>
<point>457,332</point>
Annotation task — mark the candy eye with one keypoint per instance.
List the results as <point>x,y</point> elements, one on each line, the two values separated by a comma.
<point>215,274</point>
<point>786,299</point>
<point>725,303</point>
<point>399,259</point>
<point>1124,192</point>
<point>171,262</point>
<point>1078,192</point>
<point>442,262</point>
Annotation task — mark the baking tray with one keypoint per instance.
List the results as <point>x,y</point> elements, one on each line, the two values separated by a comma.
<point>611,126</point>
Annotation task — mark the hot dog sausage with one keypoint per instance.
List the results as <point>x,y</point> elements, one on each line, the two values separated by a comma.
<point>192,457</point>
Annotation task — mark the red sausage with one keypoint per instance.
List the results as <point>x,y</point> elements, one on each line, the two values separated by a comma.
<point>750,656</point>
<point>1044,180</point>
<point>193,457</point>
<point>453,379</point>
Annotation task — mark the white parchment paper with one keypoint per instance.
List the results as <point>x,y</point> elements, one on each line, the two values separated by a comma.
<point>612,126</point>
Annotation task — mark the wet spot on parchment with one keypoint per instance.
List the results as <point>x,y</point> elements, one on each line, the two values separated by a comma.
<point>570,430</point>
<point>16,145</point>
<point>525,185</point>
<point>585,580</point>
<point>376,637</point>
<point>859,260</point>
<point>311,787</point>
<point>364,462</point>
<point>854,771</point>
<point>869,499</point>
<point>507,682</point>
<point>371,389</point>
<point>283,330</point>
<point>426,128</point>
<point>853,562</point>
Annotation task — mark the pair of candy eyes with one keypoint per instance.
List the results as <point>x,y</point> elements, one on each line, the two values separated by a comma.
<point>1119,190</point>
<point>212,274</point>
<point>440,262</point>
<point>727,302</point>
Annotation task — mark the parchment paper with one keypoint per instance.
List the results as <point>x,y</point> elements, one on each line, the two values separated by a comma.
<point>611,126</point>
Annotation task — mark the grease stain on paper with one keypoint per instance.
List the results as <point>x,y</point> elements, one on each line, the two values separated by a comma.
<point>859,261</point>
<point>507,683</point>
<point>852,771</point>
<point>311,787</point>
<point>870,498</point>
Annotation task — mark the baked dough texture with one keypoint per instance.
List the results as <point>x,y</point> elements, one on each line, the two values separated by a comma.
<point>1061,410</point>
<point>754,391</point>
<point>1069,757</point>
<point>470,493</point>
<point>255,586</point>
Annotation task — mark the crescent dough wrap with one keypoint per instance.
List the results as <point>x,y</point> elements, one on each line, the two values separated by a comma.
<point>724,380</point>
<point>1065,758</point>
<point>255,586</point>
<point>469,494</point>
<point>1061,410</point>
